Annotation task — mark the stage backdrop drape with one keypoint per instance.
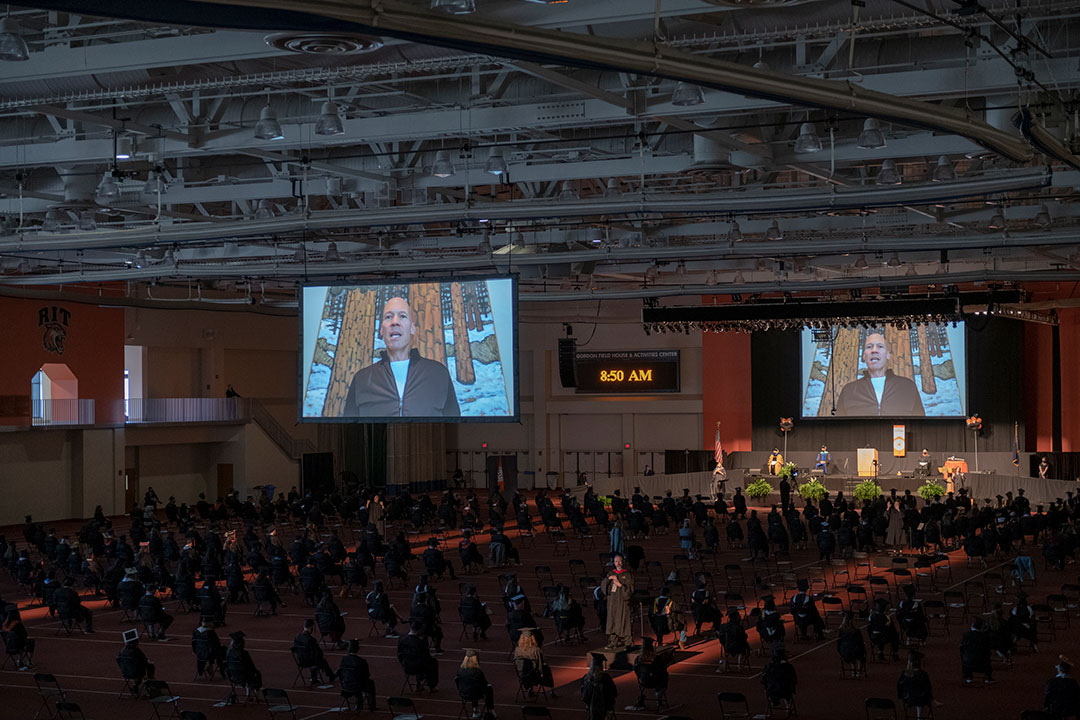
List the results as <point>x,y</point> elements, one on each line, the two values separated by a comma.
<point>995,356</point>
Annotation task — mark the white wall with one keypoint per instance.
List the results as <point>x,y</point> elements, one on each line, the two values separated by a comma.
<point>557,421</point>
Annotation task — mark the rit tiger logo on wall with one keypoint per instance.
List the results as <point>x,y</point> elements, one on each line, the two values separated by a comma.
<point>54,322</point>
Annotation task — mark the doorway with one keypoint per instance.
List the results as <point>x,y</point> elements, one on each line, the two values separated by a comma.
<point>224,479</point>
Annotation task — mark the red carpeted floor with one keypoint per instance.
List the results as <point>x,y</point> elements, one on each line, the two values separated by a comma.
<point>85,666</point>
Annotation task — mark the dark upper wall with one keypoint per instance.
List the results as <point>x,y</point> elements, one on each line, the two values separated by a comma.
<point>995,391</point>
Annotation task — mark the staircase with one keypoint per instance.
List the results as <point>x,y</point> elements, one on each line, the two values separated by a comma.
<point>289,445</point>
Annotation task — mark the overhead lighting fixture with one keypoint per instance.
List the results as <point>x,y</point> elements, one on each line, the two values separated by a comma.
<point>169,258</point>
<point>735,233</point>
<point>774,233</point>
<point>443,167</point>
<point>568,193</point>
<point>496,163</point>
<point>1042,218</point>
<point>265,210</point>
<point>687,95</point>
<point>680,269</point>
<point>125,147</point>
<point>108,190</point>
<point>268,127</point>
<point>484,246</point>
<point>332,254</point>
<point>944,170</point>
<point>517,241</point>
<point>25,267</point>
<point>612,190</point>
<point>860,263</point>
<point>140,259</point>
<point>808,141</point>
<point>454,7</point>
<point>888,175</point>
<point>911,272</point>
<point>871,137</point>
<point>894,261</point>
<point>329,122</point>
<point>651,273</point>
<point>738,279</point>
<point>12,44</point>
<point>154,184</point>
<point>51,222</point>
<point>87,221</point>
<point>997,220</point>
<point>713,278</point>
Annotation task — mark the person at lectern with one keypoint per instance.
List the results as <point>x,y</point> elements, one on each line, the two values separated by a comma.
<point>401,383</point>
<point>879,391</point>
<point>776,461</point>
<point>924,463</point>
<point>823,460</point>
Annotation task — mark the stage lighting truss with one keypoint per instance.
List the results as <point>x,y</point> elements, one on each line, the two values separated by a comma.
<point>823,317</point>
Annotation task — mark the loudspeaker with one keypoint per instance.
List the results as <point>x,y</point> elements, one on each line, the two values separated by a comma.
<point>567,351</point>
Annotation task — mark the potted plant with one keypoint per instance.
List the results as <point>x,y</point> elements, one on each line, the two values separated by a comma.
<point>931,491</point>
<point>758,489</point>
<point>813,490</point>
<point>786,470</point>
<point>867,490</point>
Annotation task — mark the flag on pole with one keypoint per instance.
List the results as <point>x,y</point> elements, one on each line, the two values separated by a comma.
<point>1016,444</point>
<point>718,449</point>
<point>499,477</point>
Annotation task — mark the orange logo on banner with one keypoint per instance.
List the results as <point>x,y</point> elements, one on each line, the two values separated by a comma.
<point>899,441</point>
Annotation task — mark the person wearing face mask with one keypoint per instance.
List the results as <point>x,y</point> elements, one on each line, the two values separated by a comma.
<point>401,383</point>
<point>879,391</point>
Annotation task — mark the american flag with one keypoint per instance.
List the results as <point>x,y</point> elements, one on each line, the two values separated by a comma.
<point>718,449</point>
<point>499,478</point>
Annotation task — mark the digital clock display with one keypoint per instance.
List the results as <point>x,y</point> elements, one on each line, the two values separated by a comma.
<point>630,371</point>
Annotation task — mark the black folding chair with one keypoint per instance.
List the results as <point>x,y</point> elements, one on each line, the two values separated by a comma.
<point>277,701</point>
<point>733,706</point>
<point>402,708</point>
<point>880,708</point>
<point>50,692</point>
<point>159,694</point>
<point>68,711</point>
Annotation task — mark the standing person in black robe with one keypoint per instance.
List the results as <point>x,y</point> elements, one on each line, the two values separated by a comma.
<point>598,690</point>
<point>619,588</point>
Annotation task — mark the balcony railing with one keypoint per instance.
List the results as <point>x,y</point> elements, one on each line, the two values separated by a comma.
<point>62,412</point>
<point>186,410</point>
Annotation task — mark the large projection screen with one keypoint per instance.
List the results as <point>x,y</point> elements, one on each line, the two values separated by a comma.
<point>441,350</point>
<point>917,371</point>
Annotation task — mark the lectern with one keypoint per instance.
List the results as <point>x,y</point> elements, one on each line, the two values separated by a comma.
<point>867,462</point>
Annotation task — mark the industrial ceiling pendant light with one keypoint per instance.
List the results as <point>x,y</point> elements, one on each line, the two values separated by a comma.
<point>774,233</point>
<point>1042,218</point>
<point>944,170</point>
<point>329,123</point>
<point>612,190</point>
<point>871,137</point>
<point>496,163</point>
<point>12,44</point>
<point>154,184</point>
<point>888,175</point>
<point>332,254</point>
<point>454,7</point>
<point>125,147</point>
<point>860,263</point>
<point>268,127</point>
<point>735,233</point>
<point>87,221</point>
<point>997,220</point>
<point>687,95</point>
<point>108,190</point>
<point>443,167</point>
<point>51,222</point>
<point>568,193</point>
<point>894,261</point>
<point>808,141</point>
<point>265,210</point>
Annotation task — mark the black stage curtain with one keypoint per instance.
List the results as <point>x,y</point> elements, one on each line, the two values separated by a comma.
<point>995,367</point>
<point>688,461</point>
<point>1063,465</point>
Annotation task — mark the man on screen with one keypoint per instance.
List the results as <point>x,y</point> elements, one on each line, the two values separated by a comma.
<point>879,391</point>
<point>401,383</point>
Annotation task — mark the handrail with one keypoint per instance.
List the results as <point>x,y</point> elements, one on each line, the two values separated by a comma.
<point>281,437</point>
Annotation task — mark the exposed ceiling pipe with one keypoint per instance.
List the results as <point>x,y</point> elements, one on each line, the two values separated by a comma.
<point>474,34</point>
<point>408,21</point>
<point>274,267</point>
<point>704,205</point>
